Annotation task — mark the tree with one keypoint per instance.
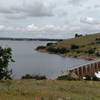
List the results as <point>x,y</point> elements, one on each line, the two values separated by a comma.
<point>36,77</point>
<point>5,59</point>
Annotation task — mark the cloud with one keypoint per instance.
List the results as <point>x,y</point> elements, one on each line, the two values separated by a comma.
<point>32,27</point>
<point>47,31</point>
<point>97,6</point>
<point>6,28</point>
<point>2,27</point>
<point>90,20</point>
<point>49,16</point>
<point>75,2</point>
<point>33,9</point>
<point>46,28</point>
<point>16,16</point>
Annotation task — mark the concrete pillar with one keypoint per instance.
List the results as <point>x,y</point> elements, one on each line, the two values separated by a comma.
<point>90,70</point>
<point>98,66</point>
<point>93,69</point>
<point>84,70</point>
<point>80,73</point>
<point>76,72</point>
<point>87,69</point>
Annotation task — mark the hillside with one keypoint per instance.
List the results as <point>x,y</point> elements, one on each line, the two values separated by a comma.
<point>84,46</point>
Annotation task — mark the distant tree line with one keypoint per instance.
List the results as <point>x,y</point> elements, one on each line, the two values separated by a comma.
<point>36,77</point>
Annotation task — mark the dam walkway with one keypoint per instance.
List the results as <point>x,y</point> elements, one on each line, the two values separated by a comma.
<point>86,69</point>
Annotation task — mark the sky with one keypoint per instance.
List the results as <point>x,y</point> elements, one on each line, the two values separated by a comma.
<point>48,18</point>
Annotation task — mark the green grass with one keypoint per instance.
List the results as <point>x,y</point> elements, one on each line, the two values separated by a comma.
<point>80,41</point>
<point>49,90</point>
<point>84,43</point>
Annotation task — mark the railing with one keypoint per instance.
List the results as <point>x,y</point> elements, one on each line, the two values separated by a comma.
<point>92,62</point>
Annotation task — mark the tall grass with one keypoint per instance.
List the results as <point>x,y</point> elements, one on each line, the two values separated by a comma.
<point>49,90</point>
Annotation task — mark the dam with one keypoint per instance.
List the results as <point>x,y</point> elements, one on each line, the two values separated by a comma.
<point>86,69</point>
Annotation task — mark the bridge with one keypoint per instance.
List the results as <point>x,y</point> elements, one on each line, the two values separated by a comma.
<point>86,69</point>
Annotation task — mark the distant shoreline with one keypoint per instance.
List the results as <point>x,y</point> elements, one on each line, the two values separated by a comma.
<point>29,39</point>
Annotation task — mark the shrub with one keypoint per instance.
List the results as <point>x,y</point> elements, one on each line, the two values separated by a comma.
<point>40,47</point>
<point>78,51</point>
<point>88,77</point>
<point>91,51</point>
<point>36,77</point>
<point>49,44</point>
<point>94,78</point>
<point>27,76</point>
<point>57,50</point>
<point>39,77</point>
<point>73,46</point>
<point>65,77</point>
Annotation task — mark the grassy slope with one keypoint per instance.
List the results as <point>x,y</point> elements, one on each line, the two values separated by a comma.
<point>80,41</point>
<point>49,90</point>
<point>84,42</point>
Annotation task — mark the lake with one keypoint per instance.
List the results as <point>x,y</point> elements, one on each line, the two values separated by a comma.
<point>30,61</point>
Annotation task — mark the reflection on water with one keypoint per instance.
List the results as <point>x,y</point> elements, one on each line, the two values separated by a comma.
<point>30,61</point>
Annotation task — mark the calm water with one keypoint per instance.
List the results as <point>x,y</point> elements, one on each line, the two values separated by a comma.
<point>30,61</point>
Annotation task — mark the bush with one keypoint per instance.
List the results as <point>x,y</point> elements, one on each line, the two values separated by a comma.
<point>65,77</point>
<point>73,46</point>
<point>27,76</point>
<point>36,77</point>
<point>88,77</point>
<point>91,51</point>
<point>49,44</point>
<point>94,78</point>
<point>57,50</point>
<point>39,77</point>
<point>40,47</point>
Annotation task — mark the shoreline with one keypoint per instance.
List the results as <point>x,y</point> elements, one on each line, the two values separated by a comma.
<point>87,58</point>
<point>85,47</point>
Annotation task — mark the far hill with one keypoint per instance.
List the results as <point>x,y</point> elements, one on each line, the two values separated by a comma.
<point>87,46</point>
<point>28,39</point>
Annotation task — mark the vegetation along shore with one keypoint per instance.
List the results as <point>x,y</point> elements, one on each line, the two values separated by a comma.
<point>86,47</point>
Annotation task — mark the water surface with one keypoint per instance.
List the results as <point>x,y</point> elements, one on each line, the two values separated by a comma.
<point>29,61</point>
